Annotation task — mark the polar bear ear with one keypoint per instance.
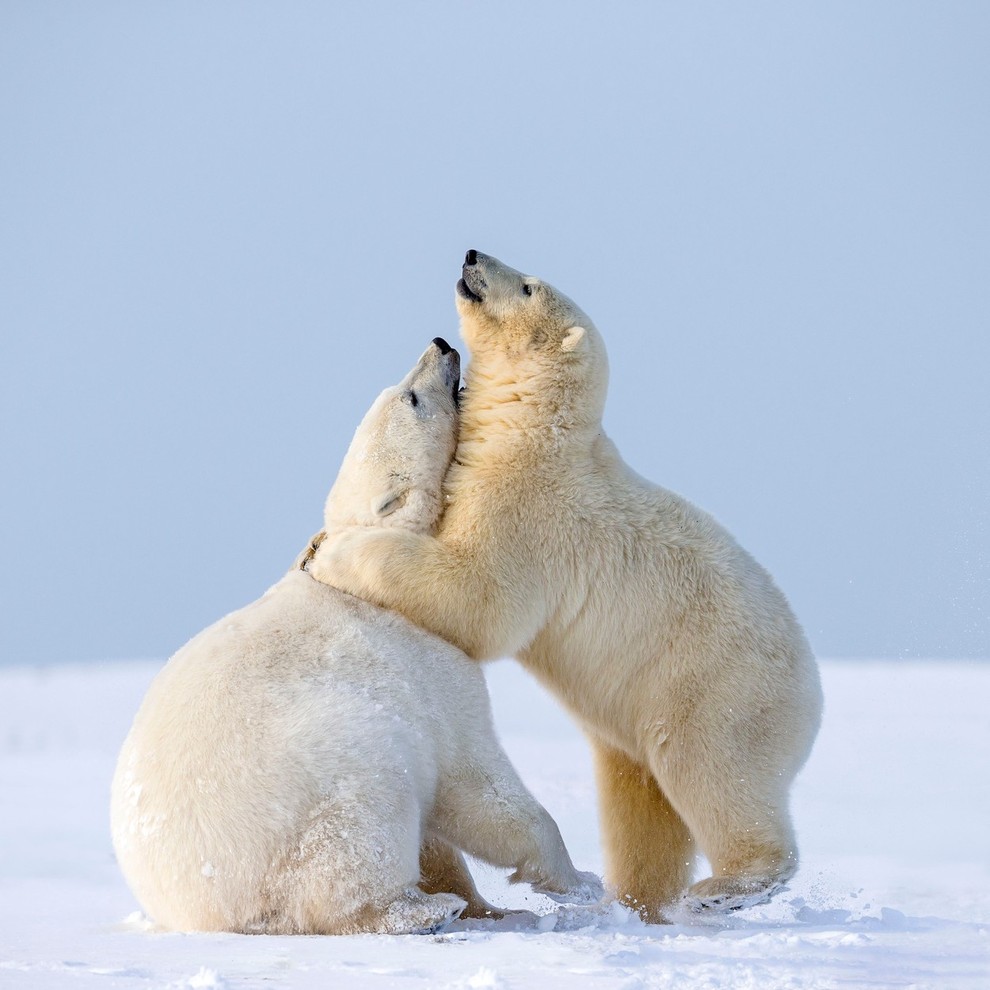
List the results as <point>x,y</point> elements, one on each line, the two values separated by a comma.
<point>573,339</point>
<point>389,502</point>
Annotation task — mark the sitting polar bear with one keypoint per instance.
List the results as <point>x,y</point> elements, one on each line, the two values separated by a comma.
<point>289,762</point>
<point>670,644</point>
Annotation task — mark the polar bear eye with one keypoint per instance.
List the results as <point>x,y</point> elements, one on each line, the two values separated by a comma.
<point>527,288</point>
<point>413,399</point>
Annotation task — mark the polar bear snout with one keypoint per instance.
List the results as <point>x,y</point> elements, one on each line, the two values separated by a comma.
<point>472,284</point>
<point>488,281</point>
<point>447,364</point>
<point>434,383</point>
<point>450,367</point>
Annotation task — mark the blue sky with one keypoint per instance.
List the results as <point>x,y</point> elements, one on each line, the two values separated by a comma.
<point>225,227</point>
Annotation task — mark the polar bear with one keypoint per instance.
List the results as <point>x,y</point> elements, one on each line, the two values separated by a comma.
<point>290,761</point>
<point>672,647</point>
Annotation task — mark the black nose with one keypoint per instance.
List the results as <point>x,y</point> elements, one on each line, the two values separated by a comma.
<point>471,258</point>
<point>445,348</point>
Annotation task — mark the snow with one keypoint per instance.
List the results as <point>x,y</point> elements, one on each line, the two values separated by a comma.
<point>892,813</point>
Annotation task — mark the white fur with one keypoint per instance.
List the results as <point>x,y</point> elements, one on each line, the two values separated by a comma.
<point>289,764</point>
<point>669,643</point>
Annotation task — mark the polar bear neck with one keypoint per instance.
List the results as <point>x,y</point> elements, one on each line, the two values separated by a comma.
<point>503,407</point>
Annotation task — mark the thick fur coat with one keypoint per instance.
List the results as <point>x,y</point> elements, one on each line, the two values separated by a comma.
<point>314,764</point>
<point>669,643</point>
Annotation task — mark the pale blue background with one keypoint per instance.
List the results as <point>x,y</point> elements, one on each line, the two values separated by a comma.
<point>224,227</point>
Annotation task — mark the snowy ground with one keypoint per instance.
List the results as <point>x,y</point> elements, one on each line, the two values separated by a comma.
<point>893,813</point>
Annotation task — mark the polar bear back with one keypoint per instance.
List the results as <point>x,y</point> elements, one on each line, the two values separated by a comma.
<point>305,696</point>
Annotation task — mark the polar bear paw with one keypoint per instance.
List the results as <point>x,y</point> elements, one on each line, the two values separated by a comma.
<point>333,561</point>
<point>723,894</point>
<point>588,889</point>
<point>416,913</point>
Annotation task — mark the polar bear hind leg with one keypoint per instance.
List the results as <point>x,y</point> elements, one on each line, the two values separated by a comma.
<point>354,868</point>
<point>748,868</point>
<point>739,819</point>
<point>417,913</point>
<point>649,852</point>
<point>443,870</point>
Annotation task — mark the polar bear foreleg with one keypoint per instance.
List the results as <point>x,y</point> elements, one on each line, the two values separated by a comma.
<point>649,852</point>
<point>488,812</point>
<point>452,591</point>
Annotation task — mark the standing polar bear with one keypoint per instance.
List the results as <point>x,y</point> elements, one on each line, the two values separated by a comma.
<point>670,644</point>
<point>290,761</point>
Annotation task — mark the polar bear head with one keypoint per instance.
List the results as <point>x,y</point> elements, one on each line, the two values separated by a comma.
<point>393,470</point>
<point>522,330</point>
